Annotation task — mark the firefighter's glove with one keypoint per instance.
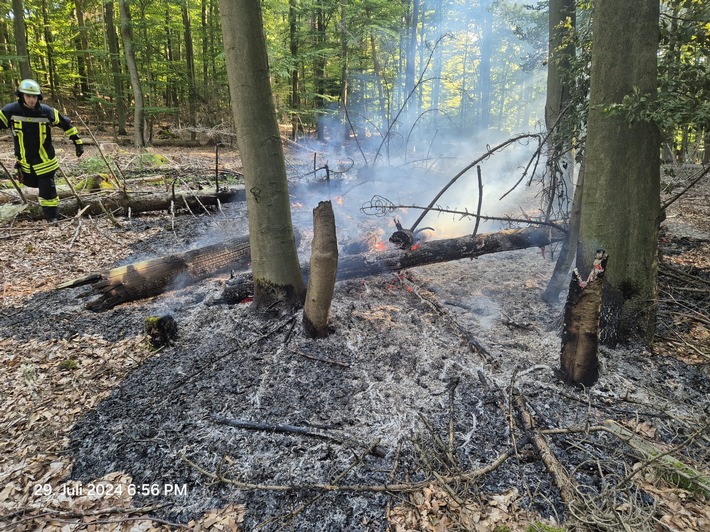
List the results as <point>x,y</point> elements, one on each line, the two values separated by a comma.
<point>79,147</point>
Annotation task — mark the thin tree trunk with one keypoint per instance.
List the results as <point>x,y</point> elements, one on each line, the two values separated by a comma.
<point>83,58</point>
<point>277,273</point>
<point>50,50</point>
<point>23,54</point>
<point>484,69</point>
<point>119,97</point>
<point>138,101</point>
<point>190,60</point>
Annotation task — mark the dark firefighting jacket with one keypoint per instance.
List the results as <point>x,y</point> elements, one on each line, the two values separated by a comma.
<point>32,133</point>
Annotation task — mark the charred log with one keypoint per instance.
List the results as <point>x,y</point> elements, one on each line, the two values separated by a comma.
<point>431,252</point>
<point>155,276</point>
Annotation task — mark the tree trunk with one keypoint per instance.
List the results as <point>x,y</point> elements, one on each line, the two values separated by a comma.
<point>83,57</point>
<point>190,60</point>
<point>621,195</point>
<point>49,40</point>
<point>139,106</point>
<point>149,278</point>
<point>485,65</point>
<point>118,95</point>
<point>324,266</point>
<point>294,95</point>
<point>569,247</point>
<point>277,273</point>
<point>23,54</point>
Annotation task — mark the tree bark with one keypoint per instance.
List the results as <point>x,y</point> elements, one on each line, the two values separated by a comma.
<point>324,266</point>
<point>621,195</point>
<point>149,278</point>
<point>118,95</point>
<point>569,247</point>
<point>579,358</point>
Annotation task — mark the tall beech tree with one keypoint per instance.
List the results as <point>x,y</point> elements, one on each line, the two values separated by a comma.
<point>275,266</point>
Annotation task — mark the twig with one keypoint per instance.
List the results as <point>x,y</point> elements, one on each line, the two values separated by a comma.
<point>452,418</point>
<point>324,360</point>
<point>288,429</point>
<point>293,513</point>
<point>14,183</point>
<point>553,465</point>
<point>68,514</point>
<point>480,201</point>
<point>466,169</point>
<point>686,189</point>
<point>466,476</point>
<point>79,201</point>
<point>98,146</point>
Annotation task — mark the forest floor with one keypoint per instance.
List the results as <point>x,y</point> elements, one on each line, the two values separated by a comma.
<point>409,416</point>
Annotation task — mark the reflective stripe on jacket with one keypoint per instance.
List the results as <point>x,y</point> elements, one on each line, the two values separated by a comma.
<point>32,134</point>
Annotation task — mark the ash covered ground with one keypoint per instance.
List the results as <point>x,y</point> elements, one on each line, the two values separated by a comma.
<point>415,387</point>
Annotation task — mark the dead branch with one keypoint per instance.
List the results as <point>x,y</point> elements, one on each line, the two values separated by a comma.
<point>467,476</point>
<point>680,194</point>
<point>675,470</point>
<point>562,479</point>
<point>289,429</point>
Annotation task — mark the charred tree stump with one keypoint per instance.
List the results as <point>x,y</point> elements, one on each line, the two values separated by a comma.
<point>324,266</point>
<point>579,357</point>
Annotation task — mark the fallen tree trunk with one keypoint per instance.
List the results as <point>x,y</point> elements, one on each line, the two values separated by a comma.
<point>152,277</point>
<point>119,202</point>
<point>155,276</point>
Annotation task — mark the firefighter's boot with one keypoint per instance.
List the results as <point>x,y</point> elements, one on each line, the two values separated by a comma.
<point>50,213</point>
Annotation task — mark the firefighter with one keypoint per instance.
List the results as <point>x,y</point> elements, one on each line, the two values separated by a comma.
<point>31,124</point>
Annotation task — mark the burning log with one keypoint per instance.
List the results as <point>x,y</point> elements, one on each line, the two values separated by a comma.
<point>431,252</point>
<point>445,250</point>
<point>152,277</point>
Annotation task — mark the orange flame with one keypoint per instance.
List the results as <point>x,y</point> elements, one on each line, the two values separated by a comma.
<point>339,200</point>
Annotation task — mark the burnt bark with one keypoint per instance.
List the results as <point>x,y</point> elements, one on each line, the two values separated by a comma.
<point>579,358</point>
<point>324,265</point>
<point>155,276</point>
